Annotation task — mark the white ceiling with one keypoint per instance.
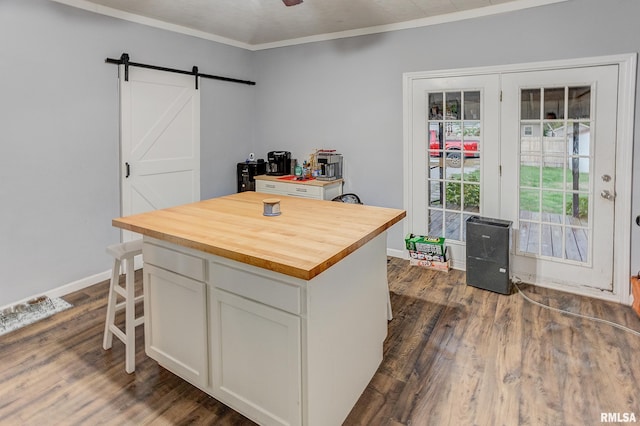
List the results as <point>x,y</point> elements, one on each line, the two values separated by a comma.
<point>256,24</point>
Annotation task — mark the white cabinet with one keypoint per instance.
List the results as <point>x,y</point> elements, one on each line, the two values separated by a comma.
<point>256,343</point>
<point>255,353</point>
<point>310,189</point>
<point>278,349</point>
<point>175,307</point>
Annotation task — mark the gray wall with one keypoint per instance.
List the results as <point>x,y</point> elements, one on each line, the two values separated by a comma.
<point>59,185</point>
<point>347,94</point>
<point>59,113</point>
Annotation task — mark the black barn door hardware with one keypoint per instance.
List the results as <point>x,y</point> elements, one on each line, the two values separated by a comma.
<point>124,60</point>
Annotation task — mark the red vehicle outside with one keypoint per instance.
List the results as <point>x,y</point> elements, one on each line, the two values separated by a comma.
<point>452,149</point>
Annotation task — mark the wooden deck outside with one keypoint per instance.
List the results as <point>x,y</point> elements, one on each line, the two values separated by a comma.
<point>549,240</point>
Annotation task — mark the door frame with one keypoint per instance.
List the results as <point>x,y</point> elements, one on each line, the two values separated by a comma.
<point>627,64</point>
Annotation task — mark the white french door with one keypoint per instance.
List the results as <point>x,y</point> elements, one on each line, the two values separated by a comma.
<point>454,156</point>
<point>558,149</point>
<point>160,141</point>
<point>547,146</point>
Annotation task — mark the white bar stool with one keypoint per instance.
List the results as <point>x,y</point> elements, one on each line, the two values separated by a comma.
<point>123,251</point>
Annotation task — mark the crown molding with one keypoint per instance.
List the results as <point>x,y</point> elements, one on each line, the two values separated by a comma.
<point>416,23</point>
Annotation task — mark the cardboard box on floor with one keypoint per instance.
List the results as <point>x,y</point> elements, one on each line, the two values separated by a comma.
<point>425,244</point>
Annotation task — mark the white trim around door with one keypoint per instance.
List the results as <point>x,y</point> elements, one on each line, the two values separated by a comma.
<point>627,64</point>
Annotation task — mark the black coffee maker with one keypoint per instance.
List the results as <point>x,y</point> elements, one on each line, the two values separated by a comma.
<point>278,163</point>
<point>247,172</point>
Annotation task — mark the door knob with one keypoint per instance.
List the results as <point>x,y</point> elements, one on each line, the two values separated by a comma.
<point>606,178</point>
<point>607,195</point>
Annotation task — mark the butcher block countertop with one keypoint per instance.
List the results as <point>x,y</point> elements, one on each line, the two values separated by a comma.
<point>307,238</point>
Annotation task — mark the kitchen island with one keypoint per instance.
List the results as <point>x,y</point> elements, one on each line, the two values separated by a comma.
<point>281,318</point>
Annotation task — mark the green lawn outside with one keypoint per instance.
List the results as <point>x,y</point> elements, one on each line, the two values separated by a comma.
<point>552,179</point>
<point>552,190</point>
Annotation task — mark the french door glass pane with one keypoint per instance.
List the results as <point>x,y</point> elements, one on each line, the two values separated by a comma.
<point>453,101</point>
<point>471,197</point>
<point>435,195</point>
<point>529,203</point>
<point>530,171</point>
<point>577,178</point>
<point>453,225</point>
<point>577,210</point>
<point>471,106</point>
<point>529,237</point>
<point>554,172</point>
<point>580,102</point>
<point>578,137</point>
<point>552,202</point>
<point>435,221</point>
<point>554,103</point>
<point>530,104</point>
<point>577,244</point>
<point>454,140</point>
<point>435,106</point>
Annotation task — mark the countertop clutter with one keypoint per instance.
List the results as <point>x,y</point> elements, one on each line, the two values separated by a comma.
<point>297,179</point>
<point>322,165</point>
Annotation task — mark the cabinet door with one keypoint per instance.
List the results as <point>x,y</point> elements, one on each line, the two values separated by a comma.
<point>175,323</point>
<point>256,359</point>
<point>332,191</point>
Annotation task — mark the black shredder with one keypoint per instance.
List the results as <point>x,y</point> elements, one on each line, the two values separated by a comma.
<point>488,254</point>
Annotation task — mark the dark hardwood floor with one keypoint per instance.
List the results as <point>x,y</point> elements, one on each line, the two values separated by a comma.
<point>454,355</point>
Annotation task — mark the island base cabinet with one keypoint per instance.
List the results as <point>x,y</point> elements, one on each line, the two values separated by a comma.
<point>175,326</point>
<point>279,350</point>
<point>255,353</point>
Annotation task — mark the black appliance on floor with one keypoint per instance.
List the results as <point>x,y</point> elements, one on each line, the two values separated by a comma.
<point>247,171</point>
<point>278,163</point>
<point>488,254</point>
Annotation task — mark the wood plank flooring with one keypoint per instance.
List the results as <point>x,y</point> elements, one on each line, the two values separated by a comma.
<point>454,355</point>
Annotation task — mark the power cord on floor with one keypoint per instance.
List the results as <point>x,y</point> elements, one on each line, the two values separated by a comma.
<point>517,281</point>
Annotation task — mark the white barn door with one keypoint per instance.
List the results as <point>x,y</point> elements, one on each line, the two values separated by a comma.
<point>159,142</point>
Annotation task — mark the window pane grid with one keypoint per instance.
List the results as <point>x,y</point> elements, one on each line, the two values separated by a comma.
<point>454,146</point>
<point>554,170</point>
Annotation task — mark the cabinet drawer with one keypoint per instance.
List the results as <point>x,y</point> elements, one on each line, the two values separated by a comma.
<point>289,188</point>
<point>304,191</point>
<point>172,260</point>
<point>269,291</point>
<point>269,187</point>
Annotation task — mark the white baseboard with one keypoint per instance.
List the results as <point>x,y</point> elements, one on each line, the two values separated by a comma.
<point>402,254</point>
<point>79,285</point>
<point>67,288</point>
